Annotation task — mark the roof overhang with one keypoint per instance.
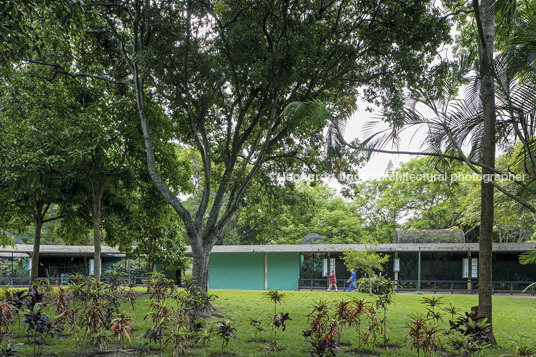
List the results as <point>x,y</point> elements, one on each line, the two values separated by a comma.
<point>88,251</point>
<point>62,250</point>
<point>380,248</point>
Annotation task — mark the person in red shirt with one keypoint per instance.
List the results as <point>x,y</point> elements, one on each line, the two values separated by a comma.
<point>333,281</point>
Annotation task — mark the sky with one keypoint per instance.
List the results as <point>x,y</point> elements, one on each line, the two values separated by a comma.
<point>411,140</point>
<point>379,163</point>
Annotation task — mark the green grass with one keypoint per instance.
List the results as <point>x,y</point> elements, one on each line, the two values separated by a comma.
<point>514,322</point>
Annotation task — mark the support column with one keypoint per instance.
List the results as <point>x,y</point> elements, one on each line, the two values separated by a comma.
<point>396,271</point>
<point>128,270</point>
<point>419,273</point>
<point>469,273</point>
<point>265,271</point>
<point>329,269</point>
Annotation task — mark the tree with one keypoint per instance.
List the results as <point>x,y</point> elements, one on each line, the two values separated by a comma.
<point>154,232</point>
<point>308,208</point>
<point>271,214</point>
<point>416,195</point>
<point>499,108</point>
<point>227,74</point>
<point>380,213</point>
<point>513,222</point>
<point>241,65</point>
<point>104,129</point>
<point>485,20</point>
<point>34,151</point>
<point>366,261</point>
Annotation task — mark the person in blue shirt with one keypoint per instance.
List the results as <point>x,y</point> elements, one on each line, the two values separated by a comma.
<point>352,281</point>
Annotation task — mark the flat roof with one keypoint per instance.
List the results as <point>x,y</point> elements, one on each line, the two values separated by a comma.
<point>62,250</point>
<point>88,250</point>
<point>381,248</point>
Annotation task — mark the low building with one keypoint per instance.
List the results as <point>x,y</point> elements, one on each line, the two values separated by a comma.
<point>54,261</point>
<point>415,266</point>
<point>443,266</point>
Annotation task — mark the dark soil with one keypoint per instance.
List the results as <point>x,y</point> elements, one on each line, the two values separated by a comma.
<point>389,346</point>
<point>97,352</point>
<point>362,352</point>
<point>120,353</point>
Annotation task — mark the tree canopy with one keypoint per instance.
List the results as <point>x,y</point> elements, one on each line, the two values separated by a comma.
<point>239,80</point>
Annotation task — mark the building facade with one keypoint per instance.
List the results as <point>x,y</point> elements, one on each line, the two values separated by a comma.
<point>414,266</point>
<point>426,266</point>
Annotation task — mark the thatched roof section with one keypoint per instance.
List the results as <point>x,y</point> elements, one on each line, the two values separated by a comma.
<point>16,240</point>
<point>312,238</point>
<point>429,236</point>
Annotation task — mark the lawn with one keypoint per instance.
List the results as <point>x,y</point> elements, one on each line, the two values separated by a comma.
<point>515,323</point>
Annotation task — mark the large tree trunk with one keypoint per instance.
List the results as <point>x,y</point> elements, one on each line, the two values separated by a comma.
<point>485,17</point>
<point>201,249</point>
<point>38,221</point>
<point>96,214</point>
<point>200,267</point>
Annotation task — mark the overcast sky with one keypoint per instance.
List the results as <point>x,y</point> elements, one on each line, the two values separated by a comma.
<point>378,164</point>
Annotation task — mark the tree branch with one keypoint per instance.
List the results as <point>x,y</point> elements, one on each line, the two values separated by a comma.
<point>53,219</point>
<point>289,156</point>
<point>500,188</point>
<point>58,69</point>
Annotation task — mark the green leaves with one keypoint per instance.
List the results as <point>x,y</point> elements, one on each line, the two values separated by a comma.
<point>286,215</point>
<point>5,240</point>
<point>366,261</point>
<point>528,258</point>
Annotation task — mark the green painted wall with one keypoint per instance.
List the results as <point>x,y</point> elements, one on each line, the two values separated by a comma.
<point>246,271</point>
<point>236,271</point>
<point>283,271</point>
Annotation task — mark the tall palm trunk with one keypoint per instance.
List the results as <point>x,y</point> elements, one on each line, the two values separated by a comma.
<point>485,18</point>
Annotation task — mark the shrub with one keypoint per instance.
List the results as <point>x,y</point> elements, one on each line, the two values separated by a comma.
<point>274,296</point>
<point>122,326</point>
<point>257,325</point>
<point>358,309</point>
<point>10,350</point>
<point>323,333</point>
<point>39,325</point>
<point>431,304</point>
<point>7,316</point>
<point>475,331</point>
<point>60,300</point>
<point>384,289</point>
<point>225,331</point>
<point>193,301</point>
<point>374,328</point>
<point>159,286</point>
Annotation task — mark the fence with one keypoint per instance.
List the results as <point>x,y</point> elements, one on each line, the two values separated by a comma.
<point>316,284</point>
<point>434,286</point>
<point>452,286</point>
<point>64,279</point>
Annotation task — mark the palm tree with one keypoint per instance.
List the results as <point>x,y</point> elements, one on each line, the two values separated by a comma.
<point>499,107</point>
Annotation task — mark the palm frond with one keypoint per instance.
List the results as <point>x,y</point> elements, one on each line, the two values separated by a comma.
<point>531,286</point>
<point>334,140</point>
<point>528,258</point>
